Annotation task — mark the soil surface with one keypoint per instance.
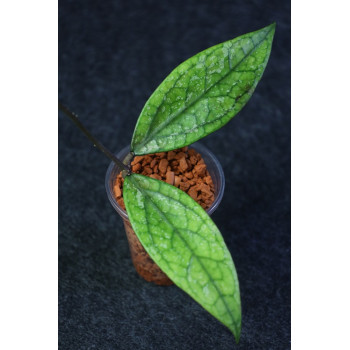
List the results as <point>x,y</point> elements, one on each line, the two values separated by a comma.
<point>183,168</point>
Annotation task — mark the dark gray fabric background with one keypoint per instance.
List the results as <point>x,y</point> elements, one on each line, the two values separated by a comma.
<point>112,55</point>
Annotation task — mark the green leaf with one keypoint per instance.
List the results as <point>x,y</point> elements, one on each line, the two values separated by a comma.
<point>185,243</point>
<point>203,93</point>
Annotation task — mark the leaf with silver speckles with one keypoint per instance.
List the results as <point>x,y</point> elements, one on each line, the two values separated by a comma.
<point>182,239</point>
<point>203,93</point>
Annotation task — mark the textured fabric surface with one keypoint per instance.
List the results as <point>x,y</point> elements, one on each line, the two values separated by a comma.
<point>112,55</point>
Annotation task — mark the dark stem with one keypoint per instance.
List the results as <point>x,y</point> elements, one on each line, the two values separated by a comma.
<point>110,155</point>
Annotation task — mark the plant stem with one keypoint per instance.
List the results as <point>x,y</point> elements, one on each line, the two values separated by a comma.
<point>103,149</point>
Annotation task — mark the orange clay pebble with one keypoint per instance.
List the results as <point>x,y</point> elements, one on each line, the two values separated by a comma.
<point>183,164</point>
<point>205,188</point>
<point>161,154</point>
<point>177,181</point>
<point>117,191</point>
<point>192,152</point>
<point>155,176</point>
<point>136,160</point>
<point>184,186</point>
<point>170,177</point>
<point>208,180</point>
<point>192,182</point>
<point>121,202</point>
<point>180,155</point>
<point>189,175</point>
<point>147,170</point>
<point>146,160</point>
<point>171,155</point>
<point>153,163</point>
<point>163,166</point>
<point>193,193</point>
<point>135,168</point>
<point>193,160</point>
<point>200,169</point>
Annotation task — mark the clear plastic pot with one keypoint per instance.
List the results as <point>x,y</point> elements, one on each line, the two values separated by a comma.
<point>143,263</point>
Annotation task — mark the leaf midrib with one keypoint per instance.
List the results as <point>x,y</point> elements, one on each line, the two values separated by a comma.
<point>175,115</point>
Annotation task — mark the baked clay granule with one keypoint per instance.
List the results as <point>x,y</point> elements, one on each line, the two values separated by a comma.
<point>183,168</point>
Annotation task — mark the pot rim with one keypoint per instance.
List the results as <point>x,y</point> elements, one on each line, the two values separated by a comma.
<point>211,161</point>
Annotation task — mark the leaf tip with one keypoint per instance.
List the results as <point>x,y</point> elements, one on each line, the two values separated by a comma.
<point>236,332</point>
<point>238,337</point>
<point>270,29</point>
<point>273,25</point>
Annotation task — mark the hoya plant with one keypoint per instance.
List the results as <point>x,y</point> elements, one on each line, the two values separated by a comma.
<point>198,97</point>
